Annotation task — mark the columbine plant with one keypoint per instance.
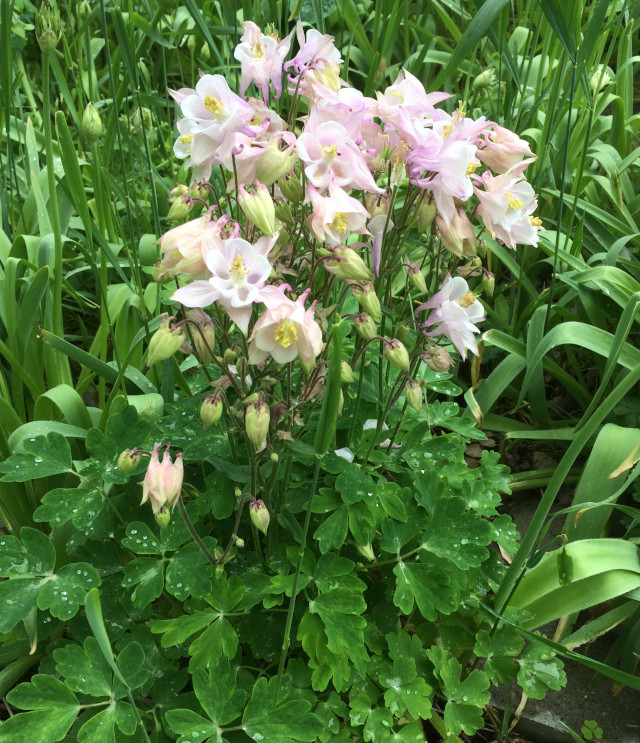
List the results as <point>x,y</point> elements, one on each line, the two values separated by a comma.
<point>319,301</point>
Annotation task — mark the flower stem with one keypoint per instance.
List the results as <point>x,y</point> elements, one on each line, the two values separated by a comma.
<point>194,533</point>
<point>294,589</point>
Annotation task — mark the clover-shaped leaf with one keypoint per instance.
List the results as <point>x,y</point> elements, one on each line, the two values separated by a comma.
<point>43,456</point>
<point>80,505</point>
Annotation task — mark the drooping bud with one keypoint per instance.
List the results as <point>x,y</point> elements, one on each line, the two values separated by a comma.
<point>397,355</point>
<point>142,121</point>
<point>205,52</point>
<point>488,283</point>
<point>486,79</point>
<point>348,264</point>
<point>47,26</point>
<point>413,394</point>
<point>459,236</point>
<point>416,277</point>
<point>91,124</point>
<point>230,356</point>
<point>425,214</point>
<point>259,515</point>
<point>377,204</point>
<point>283,212</point>
<point>275,162</point>
<point>365,326</point>
<point>257,419</point>
<point>165,342</point>
<point>239,542</point>
<point>291,188</point>
<point>367,298</point>
<point>204,336</point>
<point>181,204</point>
<point>129,460</point>
<point>366,550</point>
<point>84,10</point>
<point>437,358</point>
<point>162,481</point>
<point>346,373</point>
<point>210,410</point>
<point>258,207</point>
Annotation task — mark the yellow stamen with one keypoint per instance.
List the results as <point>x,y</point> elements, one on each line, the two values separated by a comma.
<point>330,149</point>
<point>238,270</point>
<point>447,130</point>
<point>535,221</point>
<point>462,109</point>
<point>286,333</point>
<point>466,300</point>
<point>213,105</point>
<point>514,203</point>
<point>472,166</point>
<point>257,50</point>
<point>186,139</point>
<point>394,94</point>
<point>339,223</point>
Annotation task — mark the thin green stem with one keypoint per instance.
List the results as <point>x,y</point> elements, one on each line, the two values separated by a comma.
<point>194,533</point>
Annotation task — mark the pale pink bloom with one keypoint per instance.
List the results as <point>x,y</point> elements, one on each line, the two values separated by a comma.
<point>238,275</point>
<point>317,61</point>
<point>185,248</point>
<point>162,481</point>
<point>458,237</point>
<point>265,160</point>
<point>501,149</point>
<point>507,202</point>
<point>346,106</point>
<point>443,166</point>
<point>377,227</point>
<point>285,331</point>
<point>457,311</point>
<point>335,216</point>
<point>261,58</point>
<point>330,155</point>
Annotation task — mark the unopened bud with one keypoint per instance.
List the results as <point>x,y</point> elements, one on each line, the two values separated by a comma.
<point>180,209</point>
<point>274,457</point>
<point>377,204</point>
<point>397,355</point>
<point>283,212</point>
<point>413,394</point>
<point>365,326</point>
<point>204,337</point>
<point>91,123</point>
<point>347,264</point>
<point>257,420</point>
<point>367,298</point>
<point>416,277</point>
<point>47,26</point>
<point>291,188</point>
<point>258,207</point>
<point>488,283</point>
<point>165,342</point>
<point>239,542</point>
<point>437,358</point>
<point>237,492</point>
<point>259,515</point>
<point>163,517</point>
<point>205,52</point>
<point>425,214</point>
<point>230,356</point>
<point>84,10</point>
<point>366,550</point>
<point>275,162</point>
<point>210,411</point>
<point>142,121</point>
<point>486,79</point>
<point>346,373</point>
<point>129,460</point>
<point>191,43</point>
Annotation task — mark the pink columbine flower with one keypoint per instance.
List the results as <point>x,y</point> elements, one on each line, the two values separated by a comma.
<point>261,58</point>
<point>317,61</point>
<point>186,247</point>
<point>238,275</point>
<point>507,202</point>
<point>458,237</point>
<point>457,311</point>
<point>285,331</point>
<point>501,149</point>
<point>330,155</point>
<point>335,216</point>
<point>162,481</point>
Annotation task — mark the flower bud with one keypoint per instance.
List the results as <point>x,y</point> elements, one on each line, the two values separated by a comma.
<point>365,326</point>
<point>230,356</point>
<point>377,204</point>
<point>165,342</point>
<point>275,162</point>
<point>488,283</point>
<point>198,190</point>
<point>274,457</point>
<point>142,121</point>
<point>600,79</point>
<point>258,207</point>
<point>366,550</point>
<point>368,299</point>
<point>237,492</point>
<point>259,515</point>
<point>204,336</point>
<point>486,79</point>
<point>47,26</point>
<point>425,214</point>
<point>205,52</point>
<point>84,10</point>
<point>348,264</point>
<point>291,188</point>
<point>210,411</point>
<point>91,123</point>
<point>283,212</point>
<point>163,517</point>
<point>416,277</point>
<point>437,358</point>
<point>413,394</point>
<point>346,373</point>
<point>239,542</point>
<point>180,209</point>
<point>257,420</point>
<point>397,355</point>
<point>129,460</point>
<point>163,480</point>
